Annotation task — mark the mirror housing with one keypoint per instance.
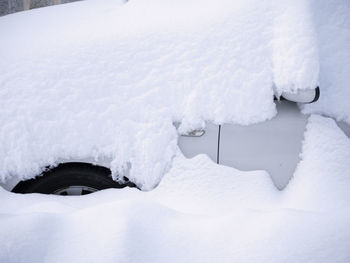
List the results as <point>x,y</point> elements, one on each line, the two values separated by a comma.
<point>303,96</point>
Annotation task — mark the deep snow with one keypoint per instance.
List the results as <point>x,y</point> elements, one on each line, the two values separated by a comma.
<point>104,79</point>
<point>332,28</point>
<point>112,85</point>
<point>200,212</point>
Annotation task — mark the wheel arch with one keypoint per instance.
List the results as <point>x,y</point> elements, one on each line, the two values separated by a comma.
<point>21,185</point>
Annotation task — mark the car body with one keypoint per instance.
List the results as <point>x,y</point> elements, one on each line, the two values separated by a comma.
<point>273,145</point>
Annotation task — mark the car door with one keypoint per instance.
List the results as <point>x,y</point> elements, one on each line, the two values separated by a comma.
<point>273,145</point>
<point>201,142</point>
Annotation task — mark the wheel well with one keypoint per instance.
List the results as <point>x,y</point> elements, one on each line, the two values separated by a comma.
<point>26,183</point>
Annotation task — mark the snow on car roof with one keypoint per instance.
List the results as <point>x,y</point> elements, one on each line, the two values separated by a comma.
<point>106,79</point>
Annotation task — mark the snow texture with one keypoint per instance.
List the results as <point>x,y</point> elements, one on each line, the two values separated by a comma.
<point>200,212</point>
<point>323,177</point>
<point>332,26</point>
<point>106,80</point>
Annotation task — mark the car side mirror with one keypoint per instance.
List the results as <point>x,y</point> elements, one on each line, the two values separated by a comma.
<point>303,96</point>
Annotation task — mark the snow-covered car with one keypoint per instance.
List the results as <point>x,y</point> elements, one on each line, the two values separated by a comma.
<point>105,92</point>
<point>273,146</point>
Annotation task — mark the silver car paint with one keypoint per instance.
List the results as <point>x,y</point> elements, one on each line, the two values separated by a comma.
<point>205,144</point>
<point>273,145</point>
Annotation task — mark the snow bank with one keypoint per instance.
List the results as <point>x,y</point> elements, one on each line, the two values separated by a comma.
<point>106,80</point>
<point>322,178</point>
<point>332,26</point>
<point>200,212</point>
<point>122,231</point>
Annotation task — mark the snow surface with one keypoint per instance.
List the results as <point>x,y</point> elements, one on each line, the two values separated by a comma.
<point>324,169</point>
<point>104,79</point>
<point>200,212</point>
<point>332,27</point>
<point>111,86</point>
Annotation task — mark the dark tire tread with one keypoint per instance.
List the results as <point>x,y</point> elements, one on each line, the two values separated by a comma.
<point>69,174</point>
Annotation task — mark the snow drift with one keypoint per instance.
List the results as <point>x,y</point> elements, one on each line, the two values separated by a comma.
<point>332,28</point>
<point>200,212</point>
<point>104,79</point>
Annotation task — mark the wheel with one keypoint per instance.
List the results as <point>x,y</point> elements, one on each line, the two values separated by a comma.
<point>71,179</point>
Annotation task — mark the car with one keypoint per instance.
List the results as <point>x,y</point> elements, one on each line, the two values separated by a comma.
<point>272,145</point>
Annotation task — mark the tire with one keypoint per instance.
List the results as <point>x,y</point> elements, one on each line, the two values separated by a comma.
<point>71,179</point>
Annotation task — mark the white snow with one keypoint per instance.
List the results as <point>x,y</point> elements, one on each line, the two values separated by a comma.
<point>332,26</point>
<point>200,212</point>
<point>104,79</point>
<point>294,48</point>
<point>323,174</point>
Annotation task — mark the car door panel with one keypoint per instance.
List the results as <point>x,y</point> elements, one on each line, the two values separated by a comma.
<point>273,145</point>
<point>205,144</point>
